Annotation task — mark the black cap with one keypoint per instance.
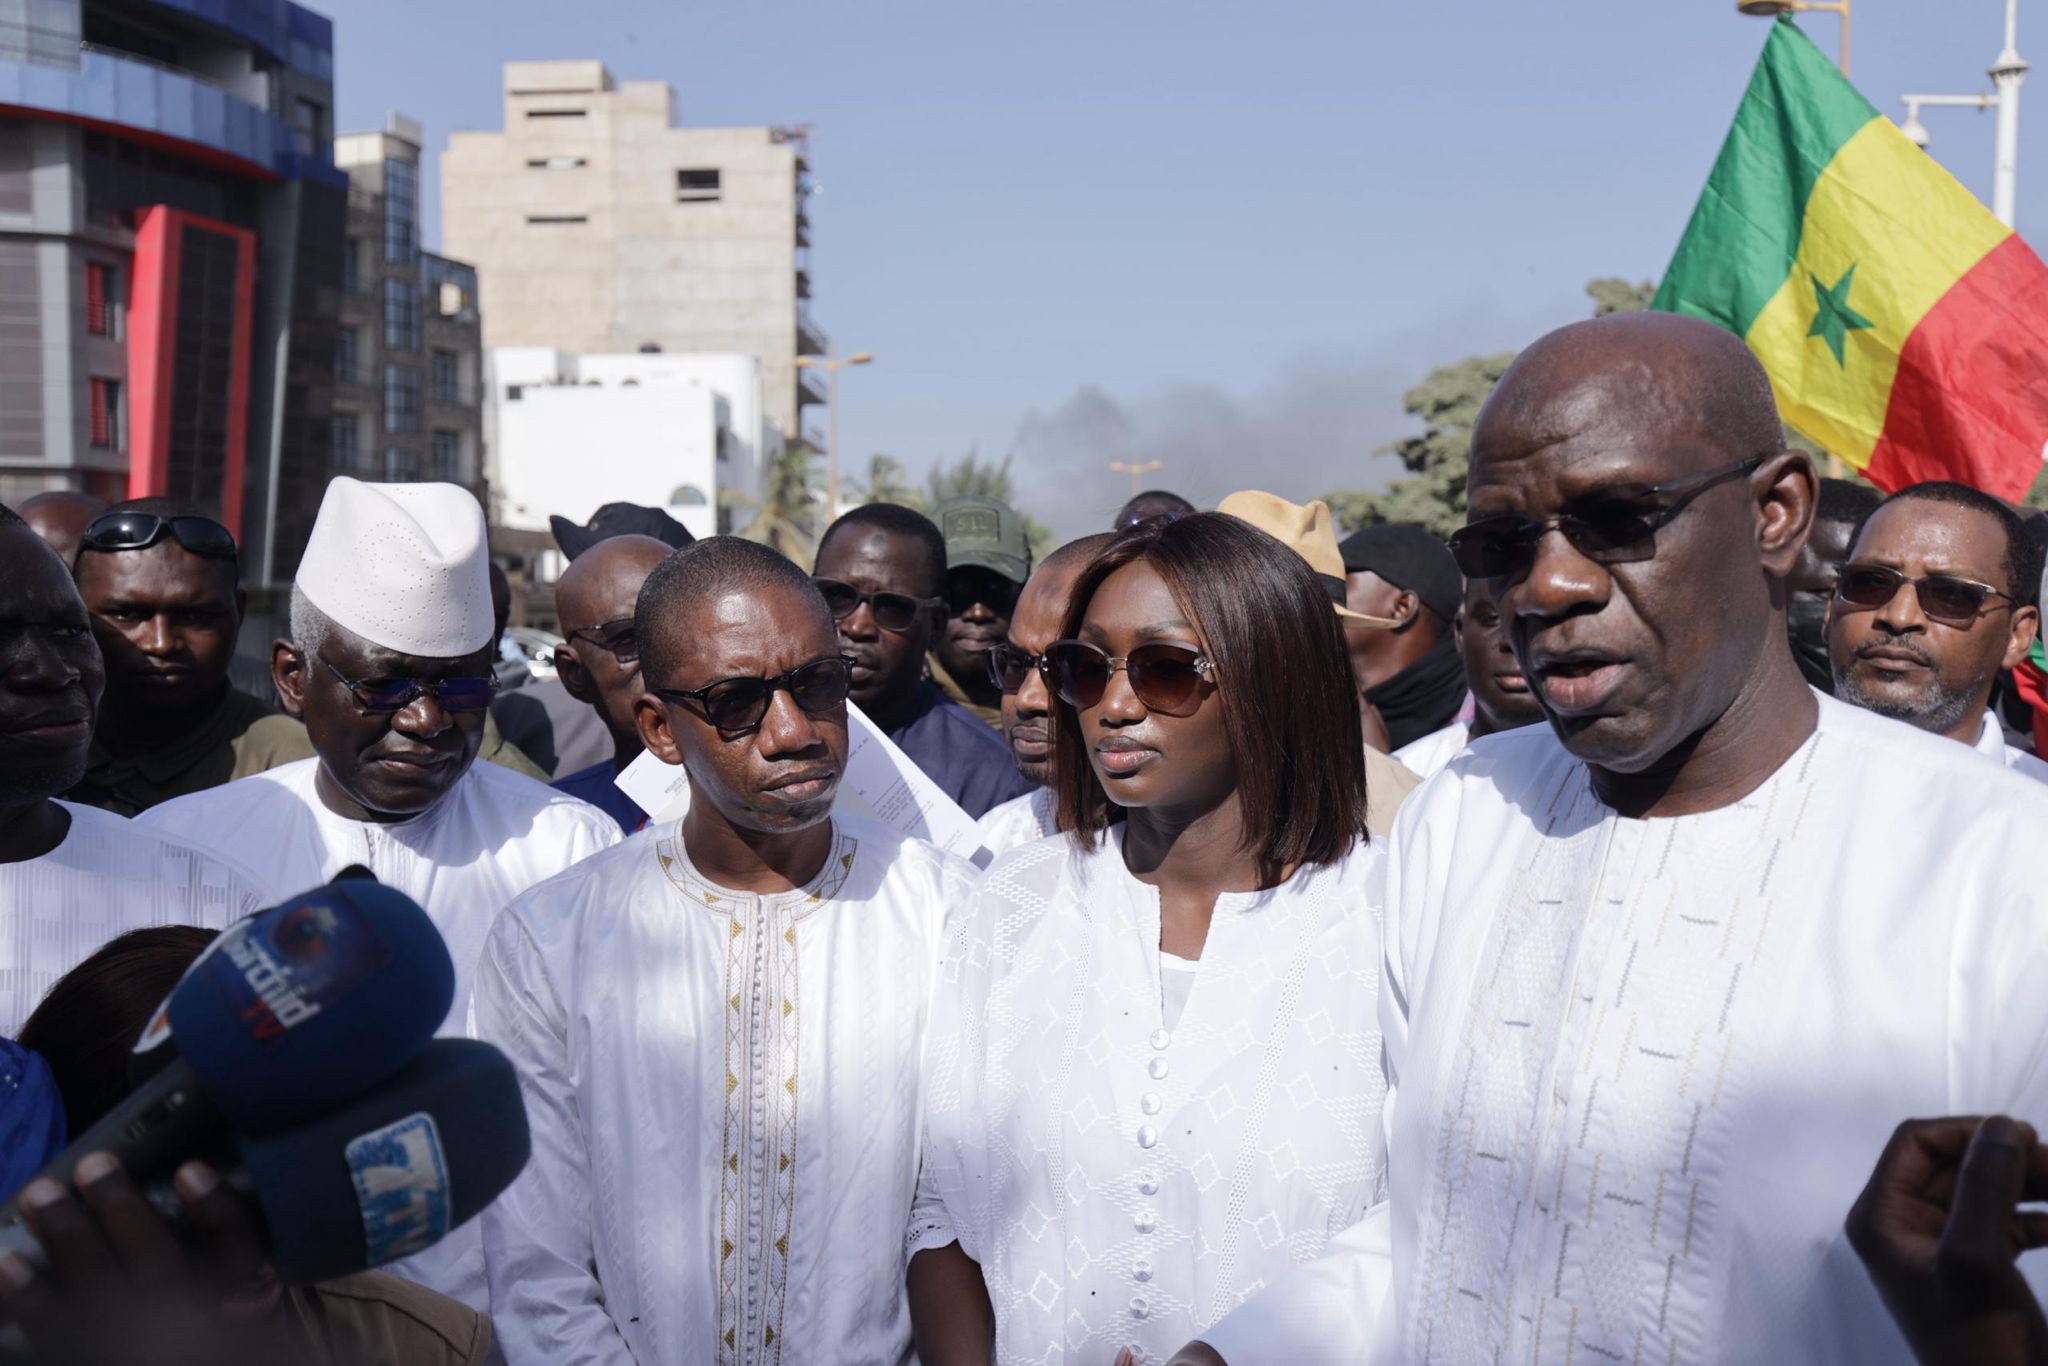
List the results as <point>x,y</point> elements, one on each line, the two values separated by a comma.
<point>1410,559</point>
<point>618,519</point>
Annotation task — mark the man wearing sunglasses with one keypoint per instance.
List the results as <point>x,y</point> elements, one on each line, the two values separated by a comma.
<point>882,571</point>
<point>388,664</point>
<point>988,560</point>
<point>599,660</point>
<point>163,584</point>
<point>1931,604</point>
<point>719,1025</point>
<point>1663,976</point>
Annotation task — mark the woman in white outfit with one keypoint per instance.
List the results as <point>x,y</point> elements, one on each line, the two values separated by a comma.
<point>1155,1061</point>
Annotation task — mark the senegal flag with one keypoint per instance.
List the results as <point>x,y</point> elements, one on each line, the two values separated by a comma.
<point>1905,329</point>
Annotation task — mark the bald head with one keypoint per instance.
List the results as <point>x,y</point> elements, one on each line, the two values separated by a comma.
<point>61,517</point>
<point>603,583</point>
<point>1038,621</point>
<point>1657,375</point>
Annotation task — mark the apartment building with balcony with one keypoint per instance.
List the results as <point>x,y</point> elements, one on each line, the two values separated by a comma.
<point>170,258</point>
<point>408,355</point>
<point>601,227</point>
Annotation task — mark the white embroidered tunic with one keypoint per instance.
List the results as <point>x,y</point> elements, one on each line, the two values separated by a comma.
<point>1019,820</point>
<point>724,1091</point>
<point>463,860</point>
<point>107,876</point>
<point>1643,1067</point>
<point>1123,1182</point>
<point>1434,750</point>
<point>1991,744</point>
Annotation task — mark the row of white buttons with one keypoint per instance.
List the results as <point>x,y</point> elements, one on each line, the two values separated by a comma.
<point>1148,1182</point>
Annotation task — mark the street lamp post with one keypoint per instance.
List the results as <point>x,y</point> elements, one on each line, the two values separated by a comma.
<point>1771,9</point>
<point>2006,74</point>
<point>831,367</point>
<point>1136,471</point>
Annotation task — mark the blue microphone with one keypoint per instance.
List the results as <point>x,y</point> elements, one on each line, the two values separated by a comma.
<point>290,1013</point>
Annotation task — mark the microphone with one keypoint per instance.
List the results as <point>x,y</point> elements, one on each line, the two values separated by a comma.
<point>387,1175</point>
<point>289,1013</point>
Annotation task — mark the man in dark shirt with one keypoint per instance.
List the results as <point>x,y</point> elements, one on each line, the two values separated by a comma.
<point>1411,672</point>
<point>163,584</point>
<point>599,661</point>
<point>882,569</point>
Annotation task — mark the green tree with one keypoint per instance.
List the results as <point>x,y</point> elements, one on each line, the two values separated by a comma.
<point>1610,295</point>
<point>886,484</point>
<point>785,516</point>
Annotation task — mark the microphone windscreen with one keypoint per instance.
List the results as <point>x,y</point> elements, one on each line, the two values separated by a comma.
<point>394,1171</point>
<point>301,1006</point>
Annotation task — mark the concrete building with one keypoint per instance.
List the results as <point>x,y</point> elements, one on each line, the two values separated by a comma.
<point>570,433</point>
<point>408,356</point>
<point>600,227</point>
<point>170,258</point>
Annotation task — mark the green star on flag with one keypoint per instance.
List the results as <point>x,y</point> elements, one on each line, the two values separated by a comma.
<point>1836,320</point>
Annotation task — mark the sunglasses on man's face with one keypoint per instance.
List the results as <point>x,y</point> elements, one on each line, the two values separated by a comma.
<point>896,612</point>
<point>1943,597</point>
<point>1009,665</point>
<point>140,530</point>
<point>380,696</point>
<point>1609,527</point>
<point>1166,676</point>
<point>735,705</point>
<point>615,638</point>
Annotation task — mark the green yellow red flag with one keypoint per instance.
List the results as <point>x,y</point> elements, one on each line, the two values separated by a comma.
<point>1905,329</point>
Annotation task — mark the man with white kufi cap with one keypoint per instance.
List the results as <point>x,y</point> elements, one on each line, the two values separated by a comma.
<point>388,664</point>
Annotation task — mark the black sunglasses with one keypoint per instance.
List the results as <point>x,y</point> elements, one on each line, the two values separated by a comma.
<point>1614,526</point>
<point>740,704</point>
<point>892,611</point>
<point>977,587</point>
<point>1943,597</point>
<point>615,638</point>
<point>141,530</point>
<point>1166,676</point>
<point>1009,665</point>
<point>382,695</point>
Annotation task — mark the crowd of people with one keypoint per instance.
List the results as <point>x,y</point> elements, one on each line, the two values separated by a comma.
<point>1599,936</point>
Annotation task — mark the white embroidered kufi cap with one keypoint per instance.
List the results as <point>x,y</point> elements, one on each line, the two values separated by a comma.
<point>405,566</point>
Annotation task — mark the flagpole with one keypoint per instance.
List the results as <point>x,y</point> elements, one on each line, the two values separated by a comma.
<point>2006,74</point>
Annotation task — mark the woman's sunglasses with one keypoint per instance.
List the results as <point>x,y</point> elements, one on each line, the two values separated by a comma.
<point>1009,666</point>
<point>1943,597</point>
<point>140,530</point>
<point>1611,527</point>
<point>892,611</point>
<point>740,704</point>
<point>1167,677</point>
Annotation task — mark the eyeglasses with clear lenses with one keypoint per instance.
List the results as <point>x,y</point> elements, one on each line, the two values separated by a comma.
<point>615,638</point>
<point>735,705</point>
<point>1166,676</point>
<point>379,696</point>
<point>892,611</point>
<point>1009,665</point>
<point>1612,526</point>
<point>1943,597</point>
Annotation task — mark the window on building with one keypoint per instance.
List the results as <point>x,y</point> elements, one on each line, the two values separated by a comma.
<point>514,392</point>
<point>401,209</point>
<point>536,219</point>
<point>444,376</point>
<point>348,441</point>
<point>401,315</point>
<point>556,113</point>
<point>101,305</point>
<point>696,186</point>
<point>345,362</point>
<point>444,457</point>
<point>401,398</point>
<point>309,127</point>
<point>687,496</point>
<point>105,405</point>
<point>351,267</point>
<point>554,163</point>
<point>401,467</point>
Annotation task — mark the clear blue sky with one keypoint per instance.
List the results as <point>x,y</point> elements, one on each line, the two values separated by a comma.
<point>1225,235</point>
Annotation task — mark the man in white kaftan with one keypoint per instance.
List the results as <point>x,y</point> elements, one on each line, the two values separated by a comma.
<point>1129,1145</point>
<point>719,1025</point>
<point>1643,1062</point>
<point>1020,820</point>
<point>724,1093</point>
<point>388,666</point>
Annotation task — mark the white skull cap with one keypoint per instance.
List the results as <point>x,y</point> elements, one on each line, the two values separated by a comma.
<point>404,566</point>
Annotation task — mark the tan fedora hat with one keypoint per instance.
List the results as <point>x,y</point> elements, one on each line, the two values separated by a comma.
<point>1306,530</point>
